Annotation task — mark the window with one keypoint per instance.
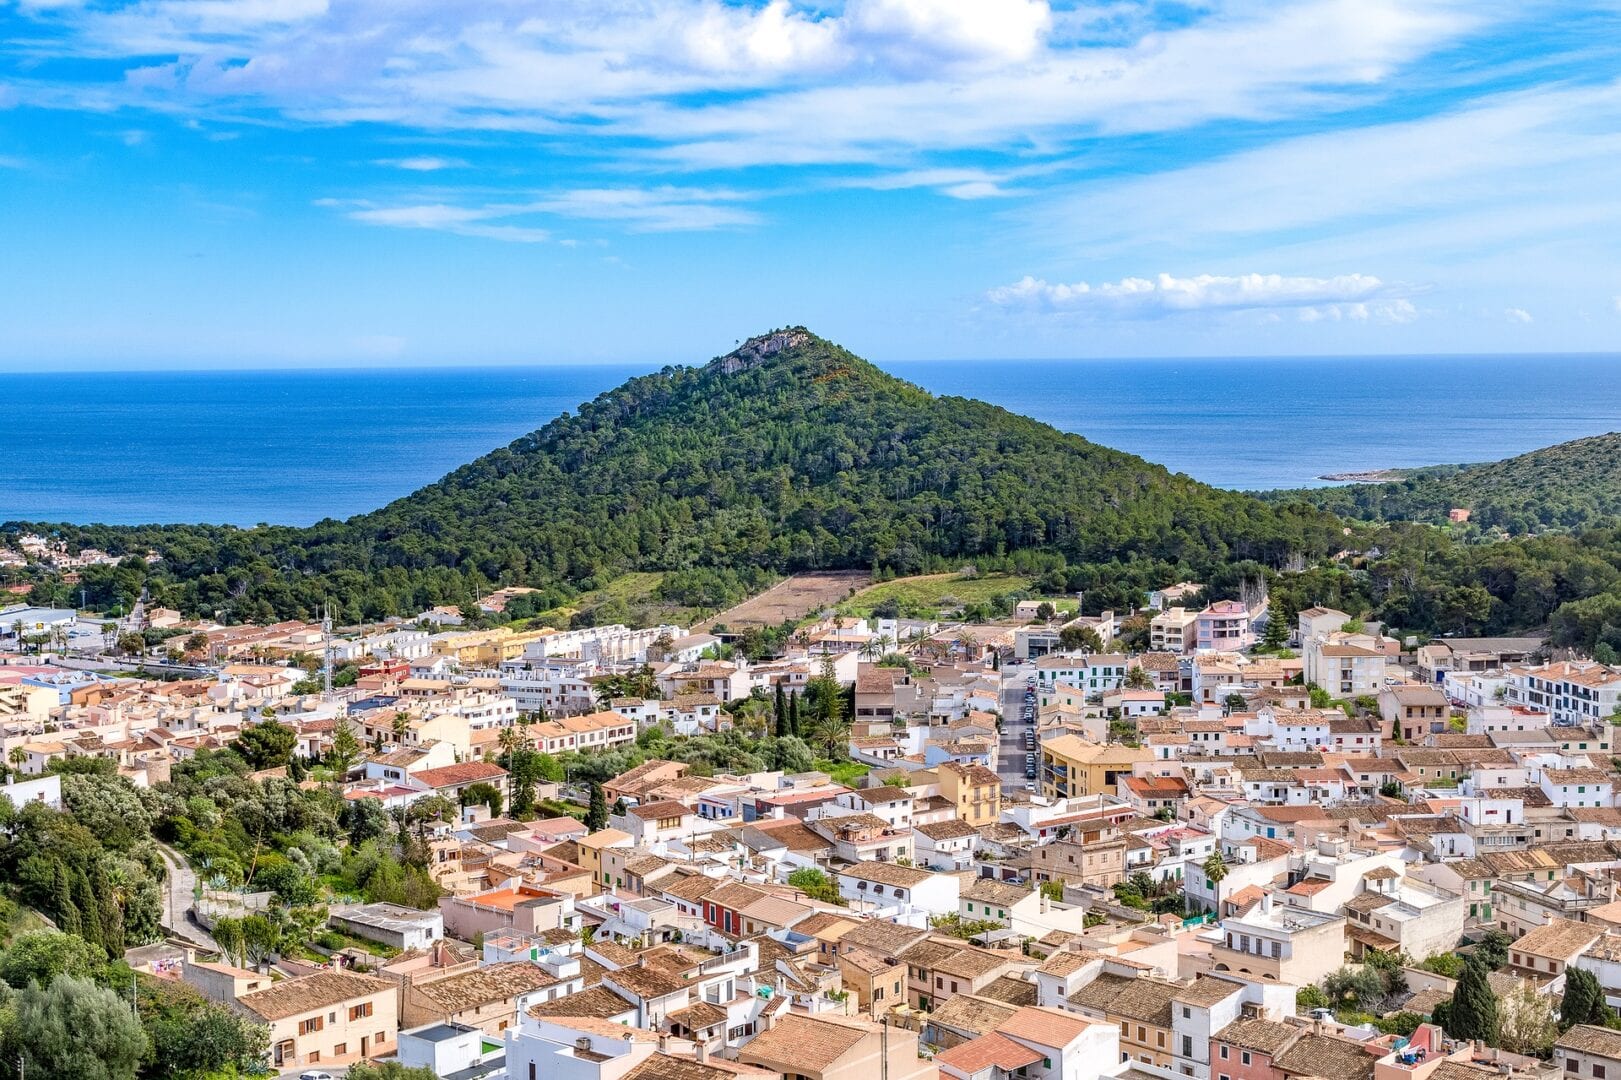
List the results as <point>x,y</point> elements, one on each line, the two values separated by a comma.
<point>314,1023</point>
<point>1159,1039</point>
<point>1187,1046</point>
<point>1223,1051</point>
<point>340,1050</point>
<point>1598,1071</point>
<point>361,1011</point>
<point>1244,1057</point>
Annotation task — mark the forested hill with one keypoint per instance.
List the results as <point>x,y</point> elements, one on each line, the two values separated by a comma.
<point>1572,485</point>
<point>789,453</point>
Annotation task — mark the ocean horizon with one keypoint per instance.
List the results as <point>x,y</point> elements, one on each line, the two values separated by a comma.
<point>292,446</point>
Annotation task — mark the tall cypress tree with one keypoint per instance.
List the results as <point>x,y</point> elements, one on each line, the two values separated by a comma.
<point>779,709</point>
<point>793,713</point>
<point>596,815</point>
<point>67,913</point>
<point>1583,1002</point>
<point>1473,1012</point>
<point>89,910</point>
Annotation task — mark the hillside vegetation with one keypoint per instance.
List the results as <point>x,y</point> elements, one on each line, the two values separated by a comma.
<point>1569,486</point>
<point>788,454</point>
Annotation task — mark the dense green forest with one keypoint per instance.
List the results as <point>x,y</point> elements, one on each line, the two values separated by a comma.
<point>788,454</point>
<point>1572,485</point>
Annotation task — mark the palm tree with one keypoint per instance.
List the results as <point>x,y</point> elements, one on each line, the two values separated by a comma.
<point>401,725</point>
<point>508,740</point>
<point>17,756</point>
<point>1137,678</point>
<point>1215,869</point>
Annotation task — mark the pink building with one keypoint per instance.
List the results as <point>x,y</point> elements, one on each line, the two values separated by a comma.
<point>1225,626</point>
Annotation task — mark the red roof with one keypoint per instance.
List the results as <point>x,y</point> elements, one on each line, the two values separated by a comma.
<point>467,772</point>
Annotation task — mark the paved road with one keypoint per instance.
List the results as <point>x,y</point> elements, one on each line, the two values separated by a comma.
<point>179,894</point>
<point>1010,754</point>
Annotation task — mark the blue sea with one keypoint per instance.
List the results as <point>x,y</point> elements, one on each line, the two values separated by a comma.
<point>292,447</point>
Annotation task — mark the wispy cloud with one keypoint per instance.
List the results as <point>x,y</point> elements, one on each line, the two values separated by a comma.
<point>1349,296</point>
<point>703,83</point>
<point>1517,315</point>
<point>422,164</point>
<point>661,209</point>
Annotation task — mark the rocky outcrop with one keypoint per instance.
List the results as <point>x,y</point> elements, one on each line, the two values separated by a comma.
<point>757,350</point>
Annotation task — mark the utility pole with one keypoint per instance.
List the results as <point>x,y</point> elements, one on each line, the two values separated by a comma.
<point>326,653</point>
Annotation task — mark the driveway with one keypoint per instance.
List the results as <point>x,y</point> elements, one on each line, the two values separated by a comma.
<point>179,899</point>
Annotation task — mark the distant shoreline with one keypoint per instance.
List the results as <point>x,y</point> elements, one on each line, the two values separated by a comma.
<point>1371,476</point>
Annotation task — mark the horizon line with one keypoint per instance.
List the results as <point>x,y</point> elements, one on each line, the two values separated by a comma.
<point>348,367</point>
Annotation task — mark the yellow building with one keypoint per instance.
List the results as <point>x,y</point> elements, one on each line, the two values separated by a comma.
<point>1072,766</point>
<point>591,848</point>
<point>974,790</point>
<point>487,647</point>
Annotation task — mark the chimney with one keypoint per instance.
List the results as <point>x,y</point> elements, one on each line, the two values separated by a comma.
<point>664,1042</point>
<point>700,1052</point>
<point>583,1043</point>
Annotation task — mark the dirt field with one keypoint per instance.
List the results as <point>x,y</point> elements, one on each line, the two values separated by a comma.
<point>792,598</point>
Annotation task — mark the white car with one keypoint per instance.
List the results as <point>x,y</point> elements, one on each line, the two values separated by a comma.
<point>316,1074</point>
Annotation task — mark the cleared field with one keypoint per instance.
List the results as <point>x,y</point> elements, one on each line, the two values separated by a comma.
<point>930,592</point>
<point>793,598</point>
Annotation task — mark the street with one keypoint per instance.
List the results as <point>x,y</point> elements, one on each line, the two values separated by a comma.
<point>1011,750</point>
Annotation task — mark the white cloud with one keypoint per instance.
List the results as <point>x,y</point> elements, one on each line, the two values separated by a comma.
<point>957,183</point>
<point>1477,175</point>
<point>1355,297</point>
<point>461,221</point>
<point>1517,315</point>
<point>424,163</point>
<point>660,209</point>
<point>706,82</point>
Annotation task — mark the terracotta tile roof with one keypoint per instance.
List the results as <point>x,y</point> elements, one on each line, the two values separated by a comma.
<point>988,1051</point>
<point>1561,939</point>
<point>698,1016</point>
<point>1044,1027</point>
<point>1327,1056</point>
<point>971,1012</point>
<point>1148,1000</point>
<point>1009,989</point>
<point>466,772</point>
<point>1589,1039</point>
<point>598,1001</point>
<point>307,993</point>
<point>950,829</point>
<point>808,1043</point>
<point>1255,1033</point>
<point>488,985</point>
<point>645,982</point>
<point>670,1067</point>
<point>887,874</point>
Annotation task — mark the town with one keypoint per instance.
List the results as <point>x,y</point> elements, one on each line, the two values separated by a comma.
<point>1208,839</point>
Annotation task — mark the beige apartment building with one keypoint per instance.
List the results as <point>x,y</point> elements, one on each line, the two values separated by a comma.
<point>328,1018</point>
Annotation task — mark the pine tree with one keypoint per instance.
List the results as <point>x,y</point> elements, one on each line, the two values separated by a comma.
<point>1473,1012</point>
<point>596,815</point>
<point>1276,635</point>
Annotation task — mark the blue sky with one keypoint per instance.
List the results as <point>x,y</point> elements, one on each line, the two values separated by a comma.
<point>297,182</point>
